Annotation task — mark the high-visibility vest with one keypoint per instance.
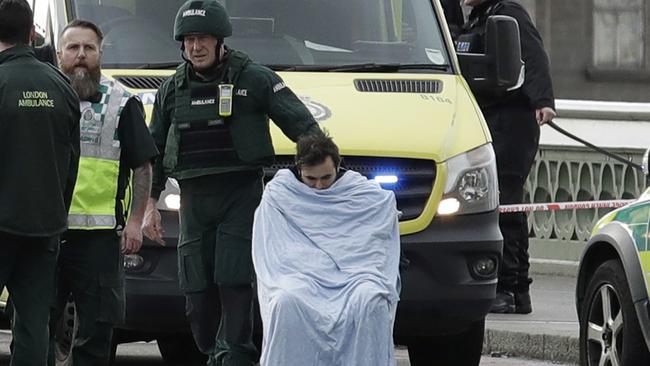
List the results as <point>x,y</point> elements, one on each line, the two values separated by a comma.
<point>95,194</point>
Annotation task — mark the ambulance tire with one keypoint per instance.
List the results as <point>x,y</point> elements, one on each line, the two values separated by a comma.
<point>463,349</point>
<point>64,333</point>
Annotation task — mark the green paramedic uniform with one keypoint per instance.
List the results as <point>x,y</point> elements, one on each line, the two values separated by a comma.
<point>39,145</point>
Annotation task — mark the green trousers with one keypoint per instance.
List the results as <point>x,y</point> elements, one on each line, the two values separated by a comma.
<point>90,268</point>
<point>27,270</point>
<point>215,263</point>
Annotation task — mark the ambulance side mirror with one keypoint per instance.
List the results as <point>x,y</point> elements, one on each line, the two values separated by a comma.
<point>500,68</point>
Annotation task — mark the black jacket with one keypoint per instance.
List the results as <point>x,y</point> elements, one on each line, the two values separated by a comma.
<point>454,15</point>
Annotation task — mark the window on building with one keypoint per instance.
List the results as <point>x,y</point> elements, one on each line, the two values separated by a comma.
<point>619,34</point>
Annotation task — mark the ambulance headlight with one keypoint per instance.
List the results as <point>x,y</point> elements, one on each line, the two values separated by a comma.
<point>471,185</point>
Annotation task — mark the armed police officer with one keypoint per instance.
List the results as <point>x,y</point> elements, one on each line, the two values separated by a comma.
<point>115,143</point>
<point>514,119</point>
<point>39,145</point>
<point>453,15</point>
<point>210,123</point>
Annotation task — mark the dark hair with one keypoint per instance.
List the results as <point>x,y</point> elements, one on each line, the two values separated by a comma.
<point>314,149</point>
<point>16,22</point>
<point>80,23</point>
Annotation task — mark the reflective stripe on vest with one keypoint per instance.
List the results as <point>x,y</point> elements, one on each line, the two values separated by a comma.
<point>95,194</point>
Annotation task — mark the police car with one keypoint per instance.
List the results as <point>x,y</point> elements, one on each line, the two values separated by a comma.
<point>613,288</point>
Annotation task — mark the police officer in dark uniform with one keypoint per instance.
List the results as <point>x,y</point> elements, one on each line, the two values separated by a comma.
<point>453,15</point>
<point>210,123</point>
<point>514,119</point>
<point>39,144</point>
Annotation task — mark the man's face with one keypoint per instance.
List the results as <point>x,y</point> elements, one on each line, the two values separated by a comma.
<point>79,58</point>
<point>201,50</point>
<point>473,2</point>
<point>320,176</point>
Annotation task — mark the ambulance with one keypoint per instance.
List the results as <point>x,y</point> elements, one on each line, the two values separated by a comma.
<point>383,78</point>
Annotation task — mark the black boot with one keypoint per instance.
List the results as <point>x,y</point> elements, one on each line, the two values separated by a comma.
<point>504,303</point>
<point>522,294</point>
<point>522,303</point>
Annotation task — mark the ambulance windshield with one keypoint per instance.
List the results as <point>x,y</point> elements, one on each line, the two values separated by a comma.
<point>278,33</point>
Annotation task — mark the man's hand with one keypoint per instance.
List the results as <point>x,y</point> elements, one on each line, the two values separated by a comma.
<point>131,237</point>
<point>152,226</point>
<point>544,115</point>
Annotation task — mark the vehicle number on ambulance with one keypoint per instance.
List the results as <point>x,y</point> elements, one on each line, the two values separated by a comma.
<point>435,98</point>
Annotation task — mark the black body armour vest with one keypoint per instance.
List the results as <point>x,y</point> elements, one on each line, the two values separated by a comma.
<point>472,37</point>
<point>204,137</point>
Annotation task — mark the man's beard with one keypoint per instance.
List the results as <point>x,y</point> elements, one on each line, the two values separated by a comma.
<point>84,81</point>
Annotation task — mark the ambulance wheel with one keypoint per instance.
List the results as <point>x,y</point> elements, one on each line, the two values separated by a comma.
<point>462,349</point>
<point>65,330</point>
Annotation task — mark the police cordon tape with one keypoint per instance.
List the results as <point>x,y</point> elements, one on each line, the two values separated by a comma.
<point>556,206</point>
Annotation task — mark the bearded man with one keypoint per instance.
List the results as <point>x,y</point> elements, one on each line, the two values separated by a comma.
<point>114,141</point>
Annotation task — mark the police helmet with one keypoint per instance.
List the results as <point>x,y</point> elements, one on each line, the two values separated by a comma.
<point>202,16</point>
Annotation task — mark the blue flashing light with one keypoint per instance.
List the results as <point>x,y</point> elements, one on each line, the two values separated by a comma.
<point>386,179</point>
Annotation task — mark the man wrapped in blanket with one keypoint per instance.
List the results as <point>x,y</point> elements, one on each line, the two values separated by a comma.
<point>326,252</point>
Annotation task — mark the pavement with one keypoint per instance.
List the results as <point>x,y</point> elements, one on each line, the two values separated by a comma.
<point>549,333</point>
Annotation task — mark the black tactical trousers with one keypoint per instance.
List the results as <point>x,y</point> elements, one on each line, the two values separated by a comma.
<point>513,272</point>
<point>515,135</point>
<point>215,263</point>
<point>90,268</point>
<point>27,267</point>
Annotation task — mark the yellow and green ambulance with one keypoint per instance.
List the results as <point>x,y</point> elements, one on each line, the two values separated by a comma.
<point>383,78</point>
<point>613,288</point>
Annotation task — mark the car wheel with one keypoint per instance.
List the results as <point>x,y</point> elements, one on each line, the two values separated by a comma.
<point>462,349</point>
<point>180,348</point>
<point>609,329</point>
<point>64,333</point>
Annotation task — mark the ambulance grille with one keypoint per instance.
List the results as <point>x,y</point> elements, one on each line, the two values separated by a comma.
<point>398,86</point>
<point>142,82</point>
<point>415,178</point>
